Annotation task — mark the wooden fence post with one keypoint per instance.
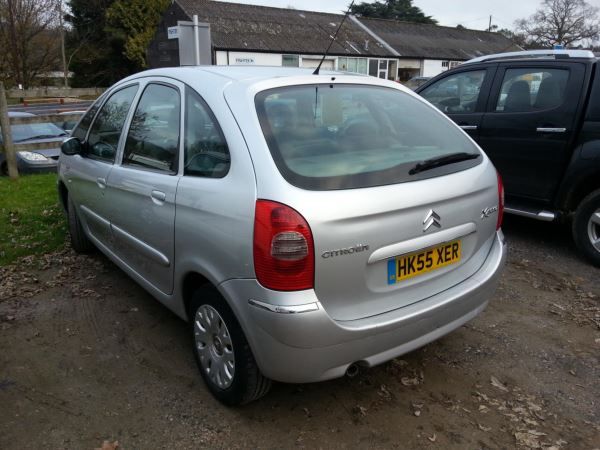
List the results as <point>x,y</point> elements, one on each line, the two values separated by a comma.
<point>9,149</point>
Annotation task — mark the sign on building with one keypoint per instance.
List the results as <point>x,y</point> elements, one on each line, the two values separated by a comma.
<point>245,60</point>
<point>187,50</point>
<point>173,32</point>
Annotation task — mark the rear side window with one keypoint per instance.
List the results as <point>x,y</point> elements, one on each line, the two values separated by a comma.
<point>206,152</point>
<point>328,137</point>
<point>153,138</point>
<point>593,113</point>
<point>526,90</point>
<point>103,139</point>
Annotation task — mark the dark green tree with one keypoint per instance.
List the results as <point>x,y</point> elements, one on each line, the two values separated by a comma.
<point>392,9</point>
<point>135,23</point>
<point>94,55</point>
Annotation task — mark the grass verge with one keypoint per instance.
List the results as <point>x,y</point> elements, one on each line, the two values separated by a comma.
<point>31,219</point>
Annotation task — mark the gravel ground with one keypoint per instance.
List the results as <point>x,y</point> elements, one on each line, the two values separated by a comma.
<point>87,356</point>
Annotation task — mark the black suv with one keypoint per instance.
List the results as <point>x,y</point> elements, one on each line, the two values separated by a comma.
<point>537,115</point>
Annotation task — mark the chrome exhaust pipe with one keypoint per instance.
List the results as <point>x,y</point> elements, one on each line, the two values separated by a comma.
<point>352,370</point>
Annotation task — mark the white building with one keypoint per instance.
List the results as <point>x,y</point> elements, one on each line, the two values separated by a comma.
<point>243,34</point>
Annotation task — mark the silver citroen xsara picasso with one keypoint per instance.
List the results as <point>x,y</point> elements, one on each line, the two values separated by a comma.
<point>305,225</point>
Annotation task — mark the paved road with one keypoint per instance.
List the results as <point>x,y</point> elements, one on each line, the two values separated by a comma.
<point>52,108</point>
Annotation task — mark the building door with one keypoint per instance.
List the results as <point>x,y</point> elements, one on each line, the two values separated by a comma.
<point>382,68</point>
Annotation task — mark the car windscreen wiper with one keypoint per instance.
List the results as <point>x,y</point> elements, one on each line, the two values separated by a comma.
<point>442,161</point>
<point>41,136</point>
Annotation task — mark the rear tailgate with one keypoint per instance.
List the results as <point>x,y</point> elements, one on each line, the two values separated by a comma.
<point>358,237</point>
<point>342,155</point>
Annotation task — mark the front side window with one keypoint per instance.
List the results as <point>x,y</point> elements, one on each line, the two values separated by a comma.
<point>326,137</point>
<point>84,125</point>
<point>153,138</point>
<point>206,152</point>
<point>103,139</point>
<point>456,93</point>
<point>526,90</point>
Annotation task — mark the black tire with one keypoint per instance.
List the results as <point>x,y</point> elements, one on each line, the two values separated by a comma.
<point>247,383</point>
<point>79,241</point>
<point>585,231</point>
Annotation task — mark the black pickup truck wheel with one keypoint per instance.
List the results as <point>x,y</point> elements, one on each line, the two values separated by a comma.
<point>586,227</point>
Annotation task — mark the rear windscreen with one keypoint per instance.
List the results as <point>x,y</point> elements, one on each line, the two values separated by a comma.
<point>325,137</point>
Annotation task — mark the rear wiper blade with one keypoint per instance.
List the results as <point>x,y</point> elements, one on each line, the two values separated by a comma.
<point>442,161</point>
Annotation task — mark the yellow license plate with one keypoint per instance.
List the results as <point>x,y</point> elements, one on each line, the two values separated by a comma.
<point>414,264</point>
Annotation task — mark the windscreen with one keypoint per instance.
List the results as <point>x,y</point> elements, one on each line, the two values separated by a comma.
<point>33,131</point>
<point>325,137</point>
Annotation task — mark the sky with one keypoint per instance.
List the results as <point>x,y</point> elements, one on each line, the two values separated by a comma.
<point>469,13</point>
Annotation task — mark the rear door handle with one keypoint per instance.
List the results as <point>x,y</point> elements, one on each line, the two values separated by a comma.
<point>468,127</point>
<point>551,130</point>
<point>158,195</point>
<point>101,182</point>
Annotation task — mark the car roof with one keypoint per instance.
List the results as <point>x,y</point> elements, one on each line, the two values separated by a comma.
<point>224,75</point>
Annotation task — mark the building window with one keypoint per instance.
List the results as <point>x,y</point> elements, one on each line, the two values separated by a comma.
<point>450,64</point>
<point>354,65</point>
<point>290,61</point>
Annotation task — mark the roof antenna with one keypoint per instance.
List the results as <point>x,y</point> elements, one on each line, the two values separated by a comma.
<point>316,72</point>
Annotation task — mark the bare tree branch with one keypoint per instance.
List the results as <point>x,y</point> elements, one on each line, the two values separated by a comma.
<point>562,22</point>
<point>28,34</point>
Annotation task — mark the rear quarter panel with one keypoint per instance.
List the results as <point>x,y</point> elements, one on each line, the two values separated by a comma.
<point>214,221</point>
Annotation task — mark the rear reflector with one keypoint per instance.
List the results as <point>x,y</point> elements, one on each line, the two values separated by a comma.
<point>500,202</point>
<point>284,258</point>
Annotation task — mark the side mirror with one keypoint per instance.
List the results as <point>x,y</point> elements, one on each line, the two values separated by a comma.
<point>71,146</point>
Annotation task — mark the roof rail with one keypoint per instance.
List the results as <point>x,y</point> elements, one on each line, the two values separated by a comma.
<point>534,54</point>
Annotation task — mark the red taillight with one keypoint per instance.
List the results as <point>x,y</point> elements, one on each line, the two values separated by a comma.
<point>284,255</point>
<point>500,202</point>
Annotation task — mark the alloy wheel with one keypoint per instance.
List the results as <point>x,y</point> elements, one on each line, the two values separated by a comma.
<point>594,229</point>
<point>214,346</point>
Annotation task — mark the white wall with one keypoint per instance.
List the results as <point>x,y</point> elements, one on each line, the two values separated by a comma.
<point>221,58</point>
<point>409,63</point>
<point>248,59</point>
<point>432,67</point>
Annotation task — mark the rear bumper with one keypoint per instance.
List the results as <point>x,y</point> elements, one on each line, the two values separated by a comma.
<point>297,342</point>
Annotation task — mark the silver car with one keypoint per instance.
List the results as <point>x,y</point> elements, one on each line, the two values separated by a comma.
<point>305,225</point>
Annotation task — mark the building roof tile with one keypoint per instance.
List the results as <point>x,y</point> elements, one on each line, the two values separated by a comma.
<point>236,26</point>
